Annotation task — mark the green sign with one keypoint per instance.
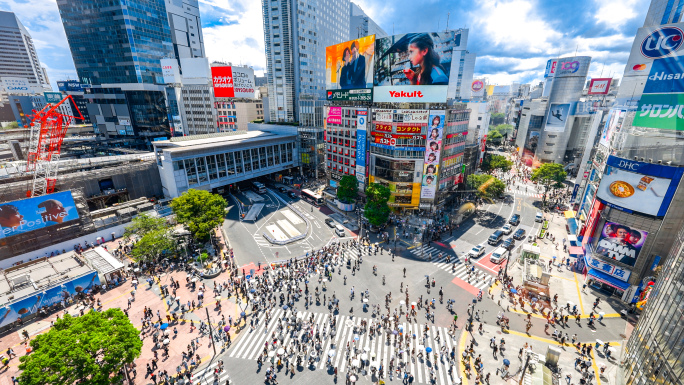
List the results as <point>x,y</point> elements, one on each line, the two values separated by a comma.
<point>53,97</point>
<point>664,111</point>
<point>463,169</point>
<point>356,95</point>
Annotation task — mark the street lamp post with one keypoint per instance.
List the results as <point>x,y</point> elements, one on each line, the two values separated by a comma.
<point>472,314</point>
<point>211,331</point>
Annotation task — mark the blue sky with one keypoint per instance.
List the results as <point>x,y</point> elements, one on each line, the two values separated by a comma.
<point>512,39</point>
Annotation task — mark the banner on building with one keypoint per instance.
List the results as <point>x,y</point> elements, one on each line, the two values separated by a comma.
<point>53,97</point>
<point>620,243</point>
<point>233,82</point>
<point>433,146</point>
<point>356,95</point>
<point>26,215</point>
<point>361,149</point>
<point>334,115</point>
<point>557,117</point>
<point>665,111</point>
<point>599,86</point>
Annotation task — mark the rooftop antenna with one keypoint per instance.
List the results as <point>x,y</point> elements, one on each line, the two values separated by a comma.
<point>447,26</point>
<point>576,47</point>
<point>604,66</point>
<point>392,28</point>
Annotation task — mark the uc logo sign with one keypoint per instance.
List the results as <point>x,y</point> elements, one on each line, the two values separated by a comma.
<point>662,42</point>
<point>362,121</point>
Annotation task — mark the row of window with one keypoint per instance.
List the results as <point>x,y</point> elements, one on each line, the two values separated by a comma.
<point>213,167</point>
<point>397,153</point>
<point>342,160</point>
<point>341,151</point>
<point>340,168</point>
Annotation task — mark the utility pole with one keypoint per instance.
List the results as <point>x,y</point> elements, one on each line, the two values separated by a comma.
<point>211,331</point>
<point>524,369</point>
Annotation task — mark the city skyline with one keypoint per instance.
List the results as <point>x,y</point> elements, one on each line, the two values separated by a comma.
<point>512,39</point>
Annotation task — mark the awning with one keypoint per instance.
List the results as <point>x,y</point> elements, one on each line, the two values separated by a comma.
<point>572,225</point>
<point>608,280</point>
<point>576,251</point>
<point>569,214</point>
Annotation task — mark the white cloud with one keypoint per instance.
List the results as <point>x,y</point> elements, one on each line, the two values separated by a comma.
<point>615,13</point>
<point>514,25</point>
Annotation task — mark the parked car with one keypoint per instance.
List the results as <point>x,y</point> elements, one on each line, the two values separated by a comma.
<point>476,252</point>
<point>508,243</point>
<point>519,234</point>
<point>507,229</point>
<point>330,222</point>
<point>515,220</point>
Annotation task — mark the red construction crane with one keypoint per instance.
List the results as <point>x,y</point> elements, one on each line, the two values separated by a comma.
<point>48,128</point>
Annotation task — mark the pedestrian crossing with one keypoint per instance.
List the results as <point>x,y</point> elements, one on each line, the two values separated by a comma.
<point>529,194</point>
<point>478,278</point>
<point>379,348</point>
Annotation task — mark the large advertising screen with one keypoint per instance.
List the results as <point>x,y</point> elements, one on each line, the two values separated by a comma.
<point>349,65</point>
<point>620,243</point>
<point>18,217</point>
<point>233,82</point>
<point>361,149</point>
<point>557,117</point>
<point>660,111</point>
<point>638,186</point>
<point>404,63</point>
<point>433,147</point>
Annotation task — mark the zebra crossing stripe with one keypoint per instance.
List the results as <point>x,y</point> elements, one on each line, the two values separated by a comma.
<point>383,345</point>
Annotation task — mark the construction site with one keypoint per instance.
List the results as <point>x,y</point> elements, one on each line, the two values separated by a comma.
<point>110,184</point>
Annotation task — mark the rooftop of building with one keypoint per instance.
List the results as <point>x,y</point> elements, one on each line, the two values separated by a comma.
<point>27,278</point>
<point>195,142</point>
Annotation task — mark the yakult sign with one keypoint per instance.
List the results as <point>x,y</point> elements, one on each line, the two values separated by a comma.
<point>415,94</point>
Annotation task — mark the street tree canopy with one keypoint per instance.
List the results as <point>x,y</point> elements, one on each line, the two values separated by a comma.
<point>549,175</point>
<point>487,186</point>
<point>497,118</point>
<point>143,224</point>
<point>348,189</point>
<point>153,244</point>
<point>494,137</point>
<point>496,162</point>
<point>91,349</point>
<point>200,211</point>
<point>376,210</point>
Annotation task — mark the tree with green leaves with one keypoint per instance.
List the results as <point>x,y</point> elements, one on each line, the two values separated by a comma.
<point>91,349</point>
<point>376,210</point>
<point>497,118</point>
<point>504,129</point>
<point>495,162</point>
<point>549,175</point>
<point>143,224</point>
<point>200,212</point>
<point>348,189</point>
<point>487,186</point>
<point>153,245</point>
<point>494,137</point>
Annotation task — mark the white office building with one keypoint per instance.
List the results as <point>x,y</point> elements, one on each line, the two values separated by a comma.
<point>186,28</point>
<point>18,56</point>
<point>362,25</point>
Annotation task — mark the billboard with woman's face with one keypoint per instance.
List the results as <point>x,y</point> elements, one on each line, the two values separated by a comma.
<point>349,65</point>
<point>433,147</point>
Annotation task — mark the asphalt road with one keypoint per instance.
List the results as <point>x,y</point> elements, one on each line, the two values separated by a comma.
<point>240,358</point>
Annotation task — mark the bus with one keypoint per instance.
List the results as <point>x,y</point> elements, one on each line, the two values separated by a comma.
<point>259,187</point>
<point>312,197</point>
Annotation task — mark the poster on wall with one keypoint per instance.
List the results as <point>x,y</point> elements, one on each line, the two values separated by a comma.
<point>557,117</point>
<point>22,216</point>
<point>233,82</point>
<point>433,147</point>
<point>613,123</point>
<point>638,186</point>
<point>620,243</point>
<point>349,65</point>
<point>334,115</point>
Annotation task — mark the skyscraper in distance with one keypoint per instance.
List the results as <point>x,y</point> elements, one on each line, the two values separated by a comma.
<point>296,33</point>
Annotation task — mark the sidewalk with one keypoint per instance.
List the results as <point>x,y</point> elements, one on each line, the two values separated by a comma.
<point>514,341</point>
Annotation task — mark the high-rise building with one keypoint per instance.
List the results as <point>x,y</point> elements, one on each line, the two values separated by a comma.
<point>664,12</point>
<point>18,56</point>
<point>186,28</point>
<point>117,47</point>
<point>362,25</point>
<point>296,33</point>
<point>655,354</point>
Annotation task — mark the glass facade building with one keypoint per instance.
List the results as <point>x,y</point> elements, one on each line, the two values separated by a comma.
<point>655,350</point>
<point>117,41</point>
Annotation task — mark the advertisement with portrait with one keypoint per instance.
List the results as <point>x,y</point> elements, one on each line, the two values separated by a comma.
<point>433,146</point>
<point>22,216</point>
<point>638,186</point>
<point>620,243</point>
<point>404,63</point>
<point>599,86</point>
<point>25,307</point>
<point>665,111</point>
<point>613,124</point>
<point>350,64</point>
<point>557,117</point>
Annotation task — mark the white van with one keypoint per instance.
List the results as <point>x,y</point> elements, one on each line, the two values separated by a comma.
<point>339,230</point>
<point>539,217</point>
<point>499,255</point>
